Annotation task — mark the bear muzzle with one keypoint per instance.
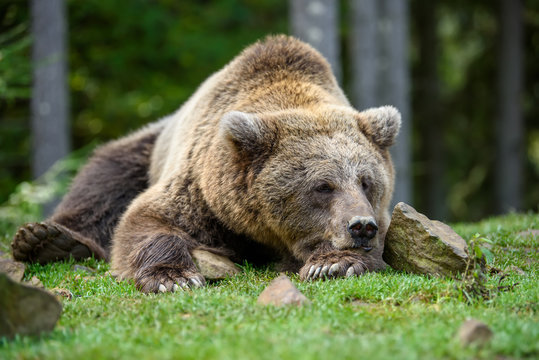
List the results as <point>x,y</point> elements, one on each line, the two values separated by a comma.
<point>362,229</point>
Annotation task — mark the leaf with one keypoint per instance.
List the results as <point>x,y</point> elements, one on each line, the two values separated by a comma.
<point>478,251</point>
<point>489,256</point>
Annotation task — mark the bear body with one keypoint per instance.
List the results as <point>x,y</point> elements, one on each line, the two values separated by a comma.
<point>266,161</point>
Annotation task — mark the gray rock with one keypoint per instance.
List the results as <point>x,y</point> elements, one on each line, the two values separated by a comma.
<point>281,291</point>
<point>62,293</point>
<point>26,310</point>
<point>110,273</point>
<point>213,266</point>
<point>34,281</point>
<point>517,270</point>
<point>83,268</point>
<point>474,332</point>
<point>362,304</point>
<point>416,244</point>
<point>532,233</point>
<point>14,269</point>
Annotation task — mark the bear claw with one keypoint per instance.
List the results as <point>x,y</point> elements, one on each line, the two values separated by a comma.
<point>182,285</point>
<point>332,265</point>
<point>321,271</point>
<point>334,269</point>
<point>169,280</point>
<point>195,282</point>
<point>324,271</point>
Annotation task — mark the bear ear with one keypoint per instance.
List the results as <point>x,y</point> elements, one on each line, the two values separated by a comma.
<point>381,125</point>
<point>247,132</point>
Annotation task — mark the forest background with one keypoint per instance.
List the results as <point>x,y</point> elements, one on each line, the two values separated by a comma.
<point>133,61</point>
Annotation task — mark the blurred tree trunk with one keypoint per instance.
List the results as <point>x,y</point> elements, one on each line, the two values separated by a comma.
<point>50,126</point>
<point>316,22</point>
<point>364,53</point>
<point>393,75</point>
<point>379,58</point>
<point>432,127</point>
<point>510,124</point>
<point>50,118</point>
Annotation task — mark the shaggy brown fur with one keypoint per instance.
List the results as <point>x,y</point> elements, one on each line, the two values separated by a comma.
<point>267,159</point>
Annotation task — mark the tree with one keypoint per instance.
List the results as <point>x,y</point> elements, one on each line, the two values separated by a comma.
<point>509,135</point>
<point>429,117</point>
<point>379,50</point>
<point>49,93</point>
<point>363,53</point>
<point>316,22</point>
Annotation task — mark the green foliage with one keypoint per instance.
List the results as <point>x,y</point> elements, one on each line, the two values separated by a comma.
<point>474,279</point>
<point>14,64</point>
<point>15,77</point>
<point>479,248</point>
<point>155,55</point>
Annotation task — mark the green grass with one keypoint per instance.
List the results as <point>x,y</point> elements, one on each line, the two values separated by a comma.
<point>387,315</point>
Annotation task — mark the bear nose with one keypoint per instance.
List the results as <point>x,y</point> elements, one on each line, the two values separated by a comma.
<point>362,227</point>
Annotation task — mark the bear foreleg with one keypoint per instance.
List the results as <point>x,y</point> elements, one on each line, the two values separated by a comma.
<point>164,264</point>
<point>150,247</point>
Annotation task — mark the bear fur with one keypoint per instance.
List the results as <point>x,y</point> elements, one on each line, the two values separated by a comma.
<point>267,161</point>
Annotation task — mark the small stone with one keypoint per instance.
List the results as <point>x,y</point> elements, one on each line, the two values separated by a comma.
<point>281,291</point>
<point>213,266</point>
<point>83,268</point>
<point>418,245</point>
<point>85,278</point>
<point>26,310</point>
<point>474,332</point>
<point>517,270</point>
<point>362,304</point>
<point>14,269</point>
<point>34,281</point>
<point>110,273</point>
<point>533,233</point>
<point>62,293</point>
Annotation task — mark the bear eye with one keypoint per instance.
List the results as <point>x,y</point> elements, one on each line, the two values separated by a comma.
<point>365,185</point>
<point>324,188</point>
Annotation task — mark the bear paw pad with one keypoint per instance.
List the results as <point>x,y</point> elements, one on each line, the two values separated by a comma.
<point>44,242</point>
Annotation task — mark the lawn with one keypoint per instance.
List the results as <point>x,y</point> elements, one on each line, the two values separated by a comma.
<point>387,315</point>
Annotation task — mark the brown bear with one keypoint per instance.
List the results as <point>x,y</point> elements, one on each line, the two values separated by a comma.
<point>267,161</point>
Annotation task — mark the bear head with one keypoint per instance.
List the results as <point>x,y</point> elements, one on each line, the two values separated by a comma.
<point>320,175</point>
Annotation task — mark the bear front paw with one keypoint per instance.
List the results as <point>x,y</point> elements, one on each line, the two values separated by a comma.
<point>333,264</point>
<point>163,278</point>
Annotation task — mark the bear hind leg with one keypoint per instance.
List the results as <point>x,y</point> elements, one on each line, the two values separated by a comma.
<point>49,241</point>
